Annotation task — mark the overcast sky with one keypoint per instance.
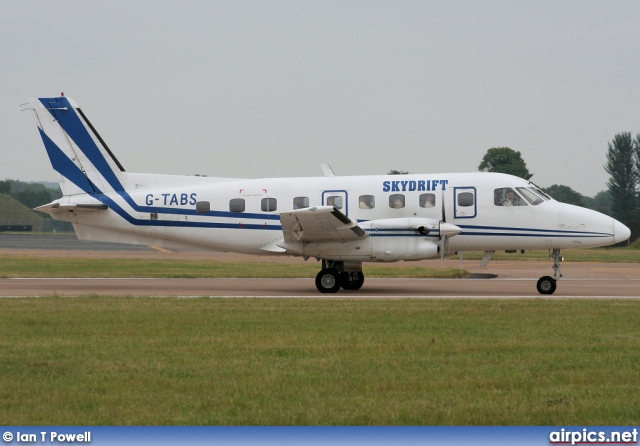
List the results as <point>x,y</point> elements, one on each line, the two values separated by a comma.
<point>275,88</point>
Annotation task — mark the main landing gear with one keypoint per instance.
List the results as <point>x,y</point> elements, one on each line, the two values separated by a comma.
<point>547,284</point>
<point>332,277</point>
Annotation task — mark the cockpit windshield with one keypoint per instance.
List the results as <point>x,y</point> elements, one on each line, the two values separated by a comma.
<point>530,195</point>
<point>539,191</point>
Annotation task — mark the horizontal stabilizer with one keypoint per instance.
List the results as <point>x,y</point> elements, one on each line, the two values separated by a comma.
<point>56,207</point>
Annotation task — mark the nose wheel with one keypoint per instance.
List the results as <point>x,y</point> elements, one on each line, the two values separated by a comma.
<point>547,284</point>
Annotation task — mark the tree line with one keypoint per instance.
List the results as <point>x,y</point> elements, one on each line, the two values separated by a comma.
<point>621,200</point>
<point>30,194</point>
<point>623,164</point>
<point>506,160</point>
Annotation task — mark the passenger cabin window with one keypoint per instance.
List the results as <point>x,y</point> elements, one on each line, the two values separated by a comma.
<point>203,207</point>
<point>236,205</point>
<point>300,202</point>
<point>335,201</point>
<point>427,200</point>
<point>268,204</point>
<point>367,202</point>
<point>506,196</point>
<point>396,201</point>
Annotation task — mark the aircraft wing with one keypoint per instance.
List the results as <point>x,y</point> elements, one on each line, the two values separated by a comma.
<point>319,224</point>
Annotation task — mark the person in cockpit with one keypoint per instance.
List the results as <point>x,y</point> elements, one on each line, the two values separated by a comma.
<point>510,198</point>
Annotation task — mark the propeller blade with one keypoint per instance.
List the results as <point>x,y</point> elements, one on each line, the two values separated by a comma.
<point>446,230</point>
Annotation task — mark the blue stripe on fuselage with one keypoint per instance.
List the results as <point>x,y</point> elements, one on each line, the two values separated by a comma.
<point>76,130</point>
<point>72,125</point>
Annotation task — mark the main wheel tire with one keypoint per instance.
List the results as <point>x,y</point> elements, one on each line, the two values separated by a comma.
<point>546,285</point>
<point>328,281</point>
<point>351,280</point>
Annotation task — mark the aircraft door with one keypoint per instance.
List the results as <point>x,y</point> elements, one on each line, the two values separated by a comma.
<point>337,199</point>
<point>464,202</point>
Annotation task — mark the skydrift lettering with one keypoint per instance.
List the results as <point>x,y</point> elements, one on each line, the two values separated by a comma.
<point>412,185</point>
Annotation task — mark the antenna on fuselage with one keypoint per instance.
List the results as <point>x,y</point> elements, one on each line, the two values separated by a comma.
<point>327,170</point>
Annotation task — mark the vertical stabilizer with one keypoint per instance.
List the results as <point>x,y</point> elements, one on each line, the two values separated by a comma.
<point>76,151</point>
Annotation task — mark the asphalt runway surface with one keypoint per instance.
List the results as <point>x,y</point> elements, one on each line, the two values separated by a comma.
<point>515,279</point>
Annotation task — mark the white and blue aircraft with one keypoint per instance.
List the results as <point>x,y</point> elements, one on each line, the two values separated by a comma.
<point>342,220</point>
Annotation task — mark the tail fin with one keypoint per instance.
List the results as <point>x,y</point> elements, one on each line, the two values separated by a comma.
<point>76,151</point>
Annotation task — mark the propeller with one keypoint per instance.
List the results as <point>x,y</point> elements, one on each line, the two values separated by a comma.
<point>447,230</point>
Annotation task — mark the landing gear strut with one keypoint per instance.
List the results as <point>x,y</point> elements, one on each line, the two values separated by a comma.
<point>332,277</point>
<point>547,284</point>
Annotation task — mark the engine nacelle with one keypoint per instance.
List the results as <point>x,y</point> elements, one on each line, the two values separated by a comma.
<point>422,226</point>
<point>394,239</point>
<point>389,240</point>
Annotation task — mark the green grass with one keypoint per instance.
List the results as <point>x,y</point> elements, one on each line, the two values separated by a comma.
<point>615,255</point>
<point>26,266</point>
<point>144,361</point>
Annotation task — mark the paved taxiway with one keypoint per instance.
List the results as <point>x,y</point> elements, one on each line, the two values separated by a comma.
<point>515,279</point>
<point>373,288</point>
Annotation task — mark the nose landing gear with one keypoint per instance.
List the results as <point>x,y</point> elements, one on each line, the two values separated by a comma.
<point>547,284</point>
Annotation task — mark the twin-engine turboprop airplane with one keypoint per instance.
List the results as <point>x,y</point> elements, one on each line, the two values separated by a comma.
<point>341,220</point>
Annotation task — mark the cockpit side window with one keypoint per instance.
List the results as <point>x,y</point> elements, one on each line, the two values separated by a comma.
<point>506,196</point>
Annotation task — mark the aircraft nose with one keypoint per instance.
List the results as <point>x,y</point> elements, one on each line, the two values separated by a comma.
<point>620,232</point>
